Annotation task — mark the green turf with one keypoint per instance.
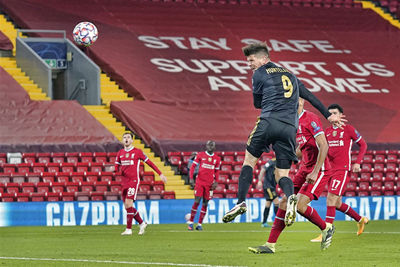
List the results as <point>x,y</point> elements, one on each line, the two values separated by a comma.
<point>218,244</point>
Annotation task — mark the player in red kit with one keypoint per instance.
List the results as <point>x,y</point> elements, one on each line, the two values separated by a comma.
<point>128,162</point>
<point>205,182</point>
<point>309,182</point>
<point>340,142</point>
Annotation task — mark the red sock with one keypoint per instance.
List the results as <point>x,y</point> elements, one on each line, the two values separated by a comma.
<point>312,215</point>
<point>202,214</point>
<point>346,209</point>
<point>129,217</point>
<point>137,216</point>
<point>330,214</point>
<point>193,211</point>
<point>278,226</point>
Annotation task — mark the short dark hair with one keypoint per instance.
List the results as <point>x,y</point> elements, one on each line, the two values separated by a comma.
<point>130,133</point>
<point>255,48</point>
<point>336,106</point>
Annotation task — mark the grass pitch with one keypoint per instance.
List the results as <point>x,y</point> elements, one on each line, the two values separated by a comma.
<point>217,245</point>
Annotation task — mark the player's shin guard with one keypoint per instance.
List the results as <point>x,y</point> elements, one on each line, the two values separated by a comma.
<point>130,213</point>
<point>245,179</point>
<point>313,216</point>
<point>346,209</point>
<point>278,226</point>
<point>193,211</point>
<point>202,214</point>
<point>287,186</point>
<point>330,214</point>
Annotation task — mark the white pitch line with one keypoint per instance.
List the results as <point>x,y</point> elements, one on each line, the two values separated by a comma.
<point>118,262</point>
<point>286,231</point>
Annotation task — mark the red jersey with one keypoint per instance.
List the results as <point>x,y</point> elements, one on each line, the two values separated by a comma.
<point>209,168</point>
<point>128,163</point>
<point>310,126</point>
<point>340,143</point>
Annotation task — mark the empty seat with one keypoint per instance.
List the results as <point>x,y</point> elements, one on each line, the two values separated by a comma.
<point>86,156</point>
<point>22,197</point>
<point>376,193</point>
<point>350,194</point>
<point>52,196</point>
<point>175,159</point>
<point>100,157</point>
<point>8,197</point>
<point>42,187</point>
<point>36,196</point>
<point>82,167</point>
<point>379,167</point>
<point>5,178</point>
<point>72,157</point>
<point>97,196</point>
<point>72,187</point>
<point>82,196</point>
<point>9,168</point>
<point>363,193</point>
<point>145,187</point>
<point>38,167</point>
<point>148,176</point>
<point>57,187</point>
<point>24,167</point>
<point>377,176</point>
<point>87,186</point>
<point>111,195</point>
<point>101,186</point>
<point>47,177</point>
<point>67,167</point>
<point>158,186</point>
<point>379,158</point>
<point>391,167</point>
<point>43,157</point>
<point>389,186</point>
<point>116,186</point>
<point>3,158</point>
<point>168,194</point>
<point>392,158</point>
<point>230,194</point>
<point>141,196</point>
<point>235,177</point>
<point>91,177</point>
<point>233,187</point>
<point>366,167</point>
<point>351,186</point>
<point>365,177</point>
<point>237,167</point>
<point>33,177</point>
<point>53,167</point>
<point>12,188</point>
<point>368,158</point>
<point>62,177</point>
<point>226,166</point>
<point>96,167</point>
<point>154,195</point>
<point>29,157</point>
<point>111,156</point>
<point>390,176</point>
<point>28,187</point>
<point>77,177</point>
<point>363,186</point>
<point>57,157</point>
<point>376,186</point>
<point>67,196</point>
<point>18,178</point>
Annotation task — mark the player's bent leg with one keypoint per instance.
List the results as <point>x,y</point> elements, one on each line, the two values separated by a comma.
<point>238,209</point>
<point>361,225</point>
<point>267,248</point>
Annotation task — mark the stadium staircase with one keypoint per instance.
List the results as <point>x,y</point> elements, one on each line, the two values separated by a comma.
<point>388,10</point>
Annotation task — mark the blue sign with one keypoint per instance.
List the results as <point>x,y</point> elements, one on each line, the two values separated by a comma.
<point>53,53</point>
<point>171,211</point>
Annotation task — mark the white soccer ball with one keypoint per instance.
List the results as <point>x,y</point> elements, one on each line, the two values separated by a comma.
<point>187,217</point>
<point>85,33</point>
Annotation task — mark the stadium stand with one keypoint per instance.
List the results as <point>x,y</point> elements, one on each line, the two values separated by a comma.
<point>370,181</point>
<point>5,43</point>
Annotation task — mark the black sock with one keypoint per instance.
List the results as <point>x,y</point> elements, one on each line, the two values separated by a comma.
<point>287,186</point>
<point>266,212</point>
<point>245,179</point>
<point>276,207</point>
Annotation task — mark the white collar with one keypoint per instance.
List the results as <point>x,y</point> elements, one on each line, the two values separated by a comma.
<point>129,149</point>
<point>301,114</point>
<point>209,154</point>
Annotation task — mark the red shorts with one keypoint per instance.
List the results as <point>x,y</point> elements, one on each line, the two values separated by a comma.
<point>313,191</point>
<point>204,191</point>
<point>130,189</point>
<point>338,182</point>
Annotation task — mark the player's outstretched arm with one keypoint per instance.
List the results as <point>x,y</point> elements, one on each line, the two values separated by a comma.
<point>336,120</point>
<point>322,153</point>
<point>156,169</point>
<point>363,149</point>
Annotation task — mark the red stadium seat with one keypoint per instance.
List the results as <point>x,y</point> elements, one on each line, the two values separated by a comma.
<point>22,197</point>
<point>117,178</point>
<point>363,193</point>
<point>220,187</point>
<point>141,196</point>
<point>363,186</point>
<point>67,167</point>
<point>38,167</point>
<point>108,167</point>
<point>226,166</point>
<point>62,177</point>
<point>106,178</point>
<point>376,186</point>
<point>350,194</point>
<point>52,196</point>
<point>351,186</point>
<point>72,187</point>
<point>186,158</point>
<point>100,157</point>
<point>12,188</point>
<point>376,193</point>
<point>1,188</point>
<point>218,194</point>
<point>86,156</point>
<point>379,167</point>
<point>9,168</point>
<point>168,195</point>
<point>233,187</point>
<point>72,157</point>
<point>389,186</point>
<point>223,177</point>
<point>228,158</point>
<point>87,186</point>
<point>28,187</point>
<point>53,167</point>
<point>82,196</point>
<point>368,158</point>
<point>101,186</point>
<point>111,156</point>
<point>18,178</point>
<point>377,176</point>
<point>388,193</point>
<point>43,157</point>
<point>148,175</point>
<point>116,186</point>
<point>237,167</point>
<point>29,157</point>
<point>57,157</point>
<point>33,177</point>
<point>96,167</point>
<point>365,167</point>
<point>5,178</point>
<point>145,187</point>
<point>391,167</point>
<point>353,176</point>
<point>42,187</point>
<point>67,196</point>
<point>158,186</point>
<point>82,167</point>
<point>57,187</point>
<point>390,176</point>
<point>154,195</point>
<point>379,158</point>
<point>24,167</point>
<point>175,160</point>
<point>235,177</point>
<point>35,196</point>
<point>239,157</point>
<point>91,176</point>
<point>47,177</point>
<point>7,197</point>
<point>77,177</point>
<point>230,194</point>
<point>112,196</point>
<point>97,196</point>
<point>392,158</point>
<point>365,177</point>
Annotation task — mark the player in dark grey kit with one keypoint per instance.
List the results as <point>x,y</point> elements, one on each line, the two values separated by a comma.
<point>276,92</point>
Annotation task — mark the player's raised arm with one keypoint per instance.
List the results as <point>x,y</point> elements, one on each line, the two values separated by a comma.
<point>336,120</point>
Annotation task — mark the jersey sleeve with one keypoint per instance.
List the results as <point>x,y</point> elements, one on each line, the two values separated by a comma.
<point>117,162</point>
<point>257,83</point>
<point>194,165</point>
<point>217,168</point>
<point>354,134</point>
<point>315,126</point>
<point>307,95</point>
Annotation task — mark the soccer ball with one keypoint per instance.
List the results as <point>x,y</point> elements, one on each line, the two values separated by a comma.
<point>187,217</point>
<point>85,33</point>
